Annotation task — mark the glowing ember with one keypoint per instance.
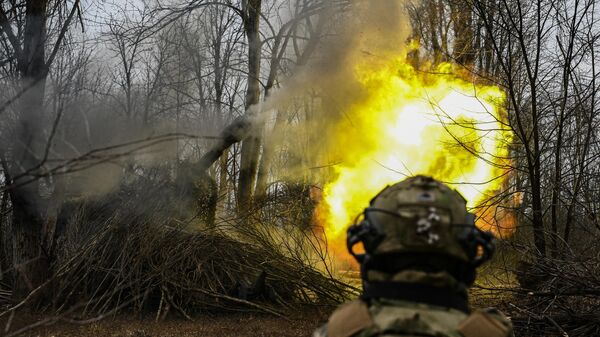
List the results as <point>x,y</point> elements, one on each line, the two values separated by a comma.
<point>410,123</point>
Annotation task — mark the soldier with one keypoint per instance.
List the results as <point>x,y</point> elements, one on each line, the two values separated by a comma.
<point>421,249</point>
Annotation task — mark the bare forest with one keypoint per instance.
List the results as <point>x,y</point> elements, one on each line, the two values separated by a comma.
<point>189,167</point>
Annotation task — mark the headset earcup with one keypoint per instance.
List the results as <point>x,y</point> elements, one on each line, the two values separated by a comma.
<point>366,233</point>
<point>354,236</point>
<point>478,245</point>
<point>486,242</point>
<point>372,235</point>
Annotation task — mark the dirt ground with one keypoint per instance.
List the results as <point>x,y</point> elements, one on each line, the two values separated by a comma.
<point>222,325</point>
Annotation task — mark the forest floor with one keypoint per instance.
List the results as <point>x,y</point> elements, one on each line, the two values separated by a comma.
<point>297,324</point>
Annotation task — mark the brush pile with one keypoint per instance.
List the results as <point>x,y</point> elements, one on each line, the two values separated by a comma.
<point>111,258</point>
<point>551,296</point>
<point>149,267</point>
<point>561,297</point>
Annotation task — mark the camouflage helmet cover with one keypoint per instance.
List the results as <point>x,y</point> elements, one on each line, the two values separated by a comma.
<point>420,215</point>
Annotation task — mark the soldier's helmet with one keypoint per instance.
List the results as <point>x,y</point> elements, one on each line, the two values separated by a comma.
<point>420,224</point>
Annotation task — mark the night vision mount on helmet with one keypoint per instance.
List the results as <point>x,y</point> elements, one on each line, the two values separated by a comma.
<point>420,224</point>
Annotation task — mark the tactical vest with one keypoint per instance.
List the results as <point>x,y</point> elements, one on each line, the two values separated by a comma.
<point>385,318</point>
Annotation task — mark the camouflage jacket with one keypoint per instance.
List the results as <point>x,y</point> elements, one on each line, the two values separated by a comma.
<point>399,318</point>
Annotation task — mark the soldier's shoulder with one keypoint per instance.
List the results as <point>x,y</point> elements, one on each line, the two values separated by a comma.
<point>489,322</point>
<point>349,319</point>
<point>358,318</point>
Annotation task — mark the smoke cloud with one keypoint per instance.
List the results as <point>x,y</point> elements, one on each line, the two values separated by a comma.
<point>366,36</point>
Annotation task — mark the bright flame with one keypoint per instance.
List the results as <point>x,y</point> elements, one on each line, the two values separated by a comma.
<point>415,122</point>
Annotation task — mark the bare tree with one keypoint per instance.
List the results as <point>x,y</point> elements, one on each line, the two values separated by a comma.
<point>32,51</point>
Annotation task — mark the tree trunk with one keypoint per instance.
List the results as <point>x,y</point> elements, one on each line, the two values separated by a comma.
<point>463,52</point>
<point>251,144</point>
<point>28,210</point>
<point>4,265</point>
<point>432,10</point>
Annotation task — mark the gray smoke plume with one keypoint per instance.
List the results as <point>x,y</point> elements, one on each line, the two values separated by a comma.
<point>369,33</point>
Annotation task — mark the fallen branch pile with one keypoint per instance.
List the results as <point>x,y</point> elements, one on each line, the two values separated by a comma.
<point>556,296</point>
<point>562,293</point>
<point>152,268</point>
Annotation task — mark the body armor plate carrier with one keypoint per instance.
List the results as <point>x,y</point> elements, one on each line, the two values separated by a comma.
<point>384,318</point>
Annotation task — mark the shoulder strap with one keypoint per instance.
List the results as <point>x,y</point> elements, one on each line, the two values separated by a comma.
<point>485,323</point>
<point>349,319</point>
